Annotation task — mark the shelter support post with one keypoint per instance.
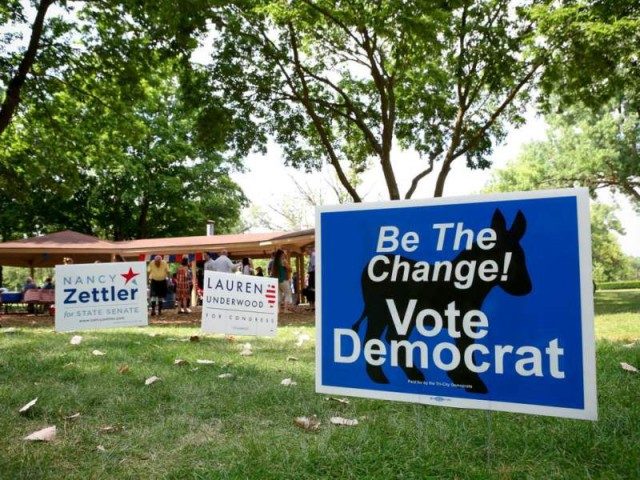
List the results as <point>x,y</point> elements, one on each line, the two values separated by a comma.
<point>194,289</point>
<point>300,277</point>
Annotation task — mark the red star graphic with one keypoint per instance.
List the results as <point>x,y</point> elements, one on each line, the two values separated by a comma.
<point>129,275</point>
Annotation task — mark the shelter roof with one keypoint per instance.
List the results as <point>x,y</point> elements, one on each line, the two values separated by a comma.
<point>49,250</point>
<point>243,244</point>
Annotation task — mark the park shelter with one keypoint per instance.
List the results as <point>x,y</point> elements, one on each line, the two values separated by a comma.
<point>50,250</point>
<point>252,245</point>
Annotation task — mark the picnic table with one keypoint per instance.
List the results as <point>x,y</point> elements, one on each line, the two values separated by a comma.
<point>40,298</point>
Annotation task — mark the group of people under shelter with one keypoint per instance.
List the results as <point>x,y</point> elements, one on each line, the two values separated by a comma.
<point>163,283</point>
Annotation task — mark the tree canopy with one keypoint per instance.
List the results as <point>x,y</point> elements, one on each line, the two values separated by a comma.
<point>106,143</point>
<point>583,149</point>
<point>345,82</point>
<point>107,116</point>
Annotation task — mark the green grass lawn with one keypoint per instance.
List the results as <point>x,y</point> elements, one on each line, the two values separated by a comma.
<point>193,424</point>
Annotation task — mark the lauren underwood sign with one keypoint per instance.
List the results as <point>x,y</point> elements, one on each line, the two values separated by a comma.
<point>239,304</point>
<point>477,302</point>
<point>101,295</point>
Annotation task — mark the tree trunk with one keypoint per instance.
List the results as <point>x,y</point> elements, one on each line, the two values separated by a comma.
<point>12,98</point>
<point>143,218</point>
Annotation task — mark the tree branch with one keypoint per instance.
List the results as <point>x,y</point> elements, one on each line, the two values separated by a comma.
<point>12,98</point>
<point>473,142</point>
<point>422,174</point>
<point>317,122</point>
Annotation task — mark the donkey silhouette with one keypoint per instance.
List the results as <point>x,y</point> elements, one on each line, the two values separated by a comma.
<point>438,294</point>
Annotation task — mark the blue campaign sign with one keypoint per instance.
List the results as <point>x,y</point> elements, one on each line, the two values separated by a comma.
<point>476,302</point>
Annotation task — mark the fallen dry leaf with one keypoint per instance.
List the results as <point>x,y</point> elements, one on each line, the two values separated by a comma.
<point>76,340</point>
<point>110,429</point>
<point>194,338</point>
<point>73,417</point>
<point>292,359</point>
<point>302,338</point>
<point>100,448</point>
<point>347,422</point>
<point>45,435</point>
<point>151,380</point>
<point>205,362</point>
<point>628,368</point>
<point>225,375</point>
<point>180,362</point>
<point>98,353</point>
<point>25,409</point>
<point>287,382</point>
<point>124,368</point>
<point>339,400</point>
<point>307,423</point>
<point>230,338</point>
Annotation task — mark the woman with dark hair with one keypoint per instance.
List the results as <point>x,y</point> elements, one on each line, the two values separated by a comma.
<point>281,270</point>
<point>183,292</point>
<point>246,266</point>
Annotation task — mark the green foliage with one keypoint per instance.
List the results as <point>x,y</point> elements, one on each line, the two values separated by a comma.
<point>104,141</point>
<point>623,285</point>
<point>13,277</point>
<point>343,82</point>
<point>581,151</point>
<point>597,56</point>
<point>609,262</point>
<point>582,148</point>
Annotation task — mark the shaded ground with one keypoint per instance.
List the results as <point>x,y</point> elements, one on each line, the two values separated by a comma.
<point>302,315</point>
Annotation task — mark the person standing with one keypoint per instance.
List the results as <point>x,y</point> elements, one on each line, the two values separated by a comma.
<point>280,269</point>
<point>224,264</point>
<point>247,269</point>
<point>158,272</point>
<point>183,287</point>
<point>311,284</point>
<point>208,261</point>
<point>270,265</point>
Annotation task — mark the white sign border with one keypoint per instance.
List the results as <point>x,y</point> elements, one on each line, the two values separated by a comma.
<point>590,410</point>
<point>62,327</point>
<point>239,277</point>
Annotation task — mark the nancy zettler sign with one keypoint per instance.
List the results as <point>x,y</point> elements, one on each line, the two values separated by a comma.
<point>479,302</point>
<point>101,295</point>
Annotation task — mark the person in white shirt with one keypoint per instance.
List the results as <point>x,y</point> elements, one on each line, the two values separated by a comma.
<point>223,264</point>
<point>208,261</point>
